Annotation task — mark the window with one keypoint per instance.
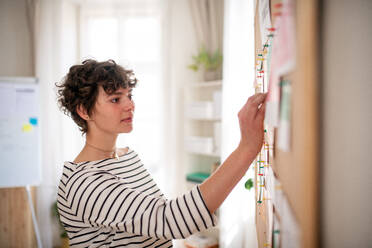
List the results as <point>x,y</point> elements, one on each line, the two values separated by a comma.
<point>130,34</point>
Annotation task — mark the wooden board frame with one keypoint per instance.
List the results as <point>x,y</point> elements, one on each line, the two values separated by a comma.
<point>298,169</point>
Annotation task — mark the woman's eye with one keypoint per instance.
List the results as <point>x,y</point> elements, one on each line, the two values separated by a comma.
<point>115,100</point>
<point>130,96</point>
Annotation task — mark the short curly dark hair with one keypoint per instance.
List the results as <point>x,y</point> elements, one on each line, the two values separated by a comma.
<point>81,84</point>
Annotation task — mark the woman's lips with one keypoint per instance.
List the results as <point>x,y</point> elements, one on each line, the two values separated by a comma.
<point>127,120</point>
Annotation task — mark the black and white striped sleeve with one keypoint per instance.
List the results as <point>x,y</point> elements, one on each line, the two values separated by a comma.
<point>98,198</point>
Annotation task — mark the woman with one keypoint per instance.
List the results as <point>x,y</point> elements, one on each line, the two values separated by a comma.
<point>106,197</point>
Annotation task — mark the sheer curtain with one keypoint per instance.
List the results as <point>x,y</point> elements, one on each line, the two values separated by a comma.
<point>55,51</point>
<point>208,22</point>
<point>237,213</point>
<point>130,32</point>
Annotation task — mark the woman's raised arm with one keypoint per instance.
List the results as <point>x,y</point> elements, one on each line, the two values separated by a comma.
<point>219,185</point>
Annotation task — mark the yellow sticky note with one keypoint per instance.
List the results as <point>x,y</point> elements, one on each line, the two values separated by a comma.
<point>27,128</point>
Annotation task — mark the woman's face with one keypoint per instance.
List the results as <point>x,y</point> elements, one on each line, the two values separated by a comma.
<point>113,113</point>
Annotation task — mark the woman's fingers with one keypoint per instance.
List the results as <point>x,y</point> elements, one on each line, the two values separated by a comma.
<point>253,103</point>
<point>261,113</point>
<point>258,99</point>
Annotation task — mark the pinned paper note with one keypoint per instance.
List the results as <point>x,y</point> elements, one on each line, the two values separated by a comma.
<point>276,232</point>
<point>265,19</point>
<point>282,61</point>
<point>284,129</point>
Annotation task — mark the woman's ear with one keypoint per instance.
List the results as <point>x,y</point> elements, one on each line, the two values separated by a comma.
<point>82,112</point>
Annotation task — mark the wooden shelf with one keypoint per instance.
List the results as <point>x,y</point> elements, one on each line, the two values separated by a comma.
<point>203,119</point>
<point>207,84</point>
<point>205,154</point>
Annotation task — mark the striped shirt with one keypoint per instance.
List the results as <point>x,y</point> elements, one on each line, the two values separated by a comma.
<point>116,203</point>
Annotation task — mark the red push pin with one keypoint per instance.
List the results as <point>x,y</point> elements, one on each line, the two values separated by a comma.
<point>260,174</point>
<point>277,14</point>
<point>261,72</point>
<point>271,29</point>
<point>278,5</point>
<point>259,76</point>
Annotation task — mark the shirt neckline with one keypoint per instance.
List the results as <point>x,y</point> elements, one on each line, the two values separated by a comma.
<point>100,160</point>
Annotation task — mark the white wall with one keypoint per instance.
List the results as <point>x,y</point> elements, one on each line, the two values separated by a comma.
<point>15,41</point>
<point>346,89</point>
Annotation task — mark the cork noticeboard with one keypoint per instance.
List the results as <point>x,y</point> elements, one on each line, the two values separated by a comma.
<point>295,171</point>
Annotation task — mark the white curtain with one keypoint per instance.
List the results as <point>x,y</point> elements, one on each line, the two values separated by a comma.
<point>237,213</point>
<point>207,17</point>
<point>55,51</point>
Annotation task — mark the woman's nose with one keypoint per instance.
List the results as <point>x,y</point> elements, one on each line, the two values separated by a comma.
<point>129,105</point>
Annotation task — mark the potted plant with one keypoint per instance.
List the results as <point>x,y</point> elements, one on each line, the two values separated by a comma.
<point>209,63</point>
<point>63,234</point>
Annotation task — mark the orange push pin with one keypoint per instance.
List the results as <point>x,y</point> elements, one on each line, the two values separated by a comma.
<point>278,5</point>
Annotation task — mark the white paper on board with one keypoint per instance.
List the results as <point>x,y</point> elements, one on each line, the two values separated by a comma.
<point>265,19</point>
<point>282,60</point>
<point>284,129</point>
<point>290,231</point>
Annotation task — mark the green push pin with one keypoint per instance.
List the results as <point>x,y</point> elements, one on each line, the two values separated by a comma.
<point>249,184</point>
<point>259,201</point>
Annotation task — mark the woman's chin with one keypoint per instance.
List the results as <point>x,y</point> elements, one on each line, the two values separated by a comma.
<point>126,130</point>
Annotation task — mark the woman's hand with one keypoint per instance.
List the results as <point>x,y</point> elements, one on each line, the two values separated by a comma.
<point>251,118</point>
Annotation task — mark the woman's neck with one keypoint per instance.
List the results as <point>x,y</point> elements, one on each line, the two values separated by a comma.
<point>98,147</point>
<point>103,141</point>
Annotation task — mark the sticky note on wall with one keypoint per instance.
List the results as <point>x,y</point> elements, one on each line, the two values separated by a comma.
<point>26,128</point>
<point>33,121</point>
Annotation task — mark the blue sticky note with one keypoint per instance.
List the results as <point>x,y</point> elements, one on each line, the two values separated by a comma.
<point>33,121</point>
